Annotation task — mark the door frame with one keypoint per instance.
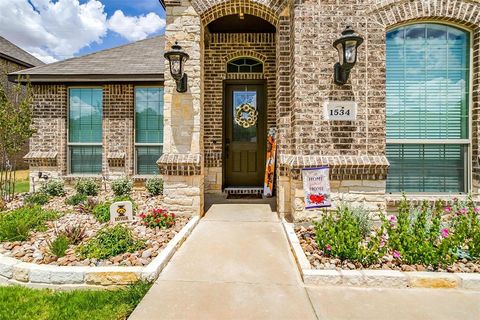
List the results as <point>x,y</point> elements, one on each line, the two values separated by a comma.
<point>261,82</point>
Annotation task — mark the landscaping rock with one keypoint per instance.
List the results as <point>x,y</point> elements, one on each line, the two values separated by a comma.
<point>36,248</point>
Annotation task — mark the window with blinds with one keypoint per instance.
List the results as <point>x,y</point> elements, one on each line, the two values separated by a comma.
<point>148,129</point>
<point>85,130</point>
<point>427,108</point>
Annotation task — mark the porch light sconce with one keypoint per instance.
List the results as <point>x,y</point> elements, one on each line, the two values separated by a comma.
<point>346,46</point>
<point>177,59</point>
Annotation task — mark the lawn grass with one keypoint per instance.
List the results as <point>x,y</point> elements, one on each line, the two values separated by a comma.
<point>23,303</point>
<point>22,181</point>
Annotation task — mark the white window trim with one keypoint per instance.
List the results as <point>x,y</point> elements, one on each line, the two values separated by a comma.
<point>468,142</point>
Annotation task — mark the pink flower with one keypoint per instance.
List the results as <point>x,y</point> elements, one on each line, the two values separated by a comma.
<point>392,219</point>
<point>445,232</point>
<point>448,209</point>
<point>396,254</point>
<point>463,211</point>
<point>382,243</point>
<point>476,210</point>
<point>328,247</point>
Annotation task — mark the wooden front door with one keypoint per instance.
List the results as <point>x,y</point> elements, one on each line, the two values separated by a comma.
<point>245,140</point>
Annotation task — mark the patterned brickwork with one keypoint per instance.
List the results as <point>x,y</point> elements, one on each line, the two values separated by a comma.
<point>50,121</point>
<point>268,10</point>
<point>118,128</point>
<point>220,49</point>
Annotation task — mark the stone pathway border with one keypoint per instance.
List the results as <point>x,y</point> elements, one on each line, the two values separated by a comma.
<point>16,272</point>
<point>376,278</point>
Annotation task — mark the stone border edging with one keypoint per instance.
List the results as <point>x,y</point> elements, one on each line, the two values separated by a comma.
<point>376,278</point>
<point>16,272</point>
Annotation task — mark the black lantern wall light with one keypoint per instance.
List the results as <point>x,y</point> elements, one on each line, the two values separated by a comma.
<point>177,59</point>
<point>346,46</point>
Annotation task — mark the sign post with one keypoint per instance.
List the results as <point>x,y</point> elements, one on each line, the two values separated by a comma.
<point>316,186</point>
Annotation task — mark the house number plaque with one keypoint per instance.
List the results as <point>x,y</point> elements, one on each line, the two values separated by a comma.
<point>340,110</point>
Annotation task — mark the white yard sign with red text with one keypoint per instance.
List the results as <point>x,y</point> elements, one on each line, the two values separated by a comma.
<point>316,186</point>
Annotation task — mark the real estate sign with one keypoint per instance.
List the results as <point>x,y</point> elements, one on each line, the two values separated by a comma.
<point>316,186</point>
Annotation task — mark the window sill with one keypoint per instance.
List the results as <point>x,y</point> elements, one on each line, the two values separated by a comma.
<point>78,176</point>
<point>142,177</point>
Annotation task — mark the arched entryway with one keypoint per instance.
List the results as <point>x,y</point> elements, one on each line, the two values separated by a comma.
<point>239,96</point>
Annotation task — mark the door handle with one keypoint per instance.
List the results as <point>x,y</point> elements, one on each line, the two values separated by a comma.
<point>227,147</point>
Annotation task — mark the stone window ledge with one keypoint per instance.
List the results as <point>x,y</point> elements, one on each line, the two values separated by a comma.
<point>180,164</point>
<point>342,167</point>
<point>41,158</point>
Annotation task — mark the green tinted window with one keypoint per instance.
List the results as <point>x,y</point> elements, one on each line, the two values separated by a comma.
<point>426,167</point>
<point>147,159</point>
<point>148,129</point>
<point>86,159</point>
<point>427,99</point>
<point>149,115</point>
<point>85,115</point>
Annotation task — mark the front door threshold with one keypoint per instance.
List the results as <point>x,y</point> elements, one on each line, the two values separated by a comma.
<point>244,190</point>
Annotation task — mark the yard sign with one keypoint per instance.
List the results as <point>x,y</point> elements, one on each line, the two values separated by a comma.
<point>316,186</point>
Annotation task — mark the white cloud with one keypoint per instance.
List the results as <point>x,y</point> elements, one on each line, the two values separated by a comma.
<point>135,28</point>
<point>55,30</point>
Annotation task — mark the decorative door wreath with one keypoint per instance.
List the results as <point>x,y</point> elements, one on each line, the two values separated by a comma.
<point>246,115</point>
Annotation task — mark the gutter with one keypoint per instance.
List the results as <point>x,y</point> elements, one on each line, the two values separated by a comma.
<point>56,78</point>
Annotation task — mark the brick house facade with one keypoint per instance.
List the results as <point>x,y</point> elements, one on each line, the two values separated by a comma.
<point>292,40</point>
<point>355,151</point>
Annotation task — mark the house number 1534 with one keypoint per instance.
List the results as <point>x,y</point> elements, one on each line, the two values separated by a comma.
<point>340,110</point>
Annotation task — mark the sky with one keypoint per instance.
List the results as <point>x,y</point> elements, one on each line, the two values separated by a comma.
<point>54,30</point>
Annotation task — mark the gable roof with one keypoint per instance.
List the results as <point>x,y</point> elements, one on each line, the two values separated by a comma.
<point>138,61</point>
<point>11,52</point>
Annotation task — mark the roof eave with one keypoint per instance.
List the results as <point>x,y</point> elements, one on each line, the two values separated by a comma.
<point>162,2</point>
<point>56,78</point>
<point>17,61</point>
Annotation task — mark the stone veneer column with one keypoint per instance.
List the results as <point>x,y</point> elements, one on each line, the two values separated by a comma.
<point>182,161</point>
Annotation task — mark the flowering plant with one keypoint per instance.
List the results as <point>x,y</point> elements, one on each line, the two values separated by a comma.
<point>158,218</point>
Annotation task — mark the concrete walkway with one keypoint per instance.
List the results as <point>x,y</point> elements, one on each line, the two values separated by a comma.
<point>237,264</point>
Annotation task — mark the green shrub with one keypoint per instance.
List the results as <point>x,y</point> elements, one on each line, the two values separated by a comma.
<point>414,235</point>
<point>54,188</point>
<point>431,235</point>
<point>17,224</point>
<point>59,246</point>
<point>154,186</point>
<point>37,198</point>
<point>102,211</point>
<point>76,199</point>
<point>87,186</point>
<point>109,242</point>
<point>346,234</point>
<point>122,187</point>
